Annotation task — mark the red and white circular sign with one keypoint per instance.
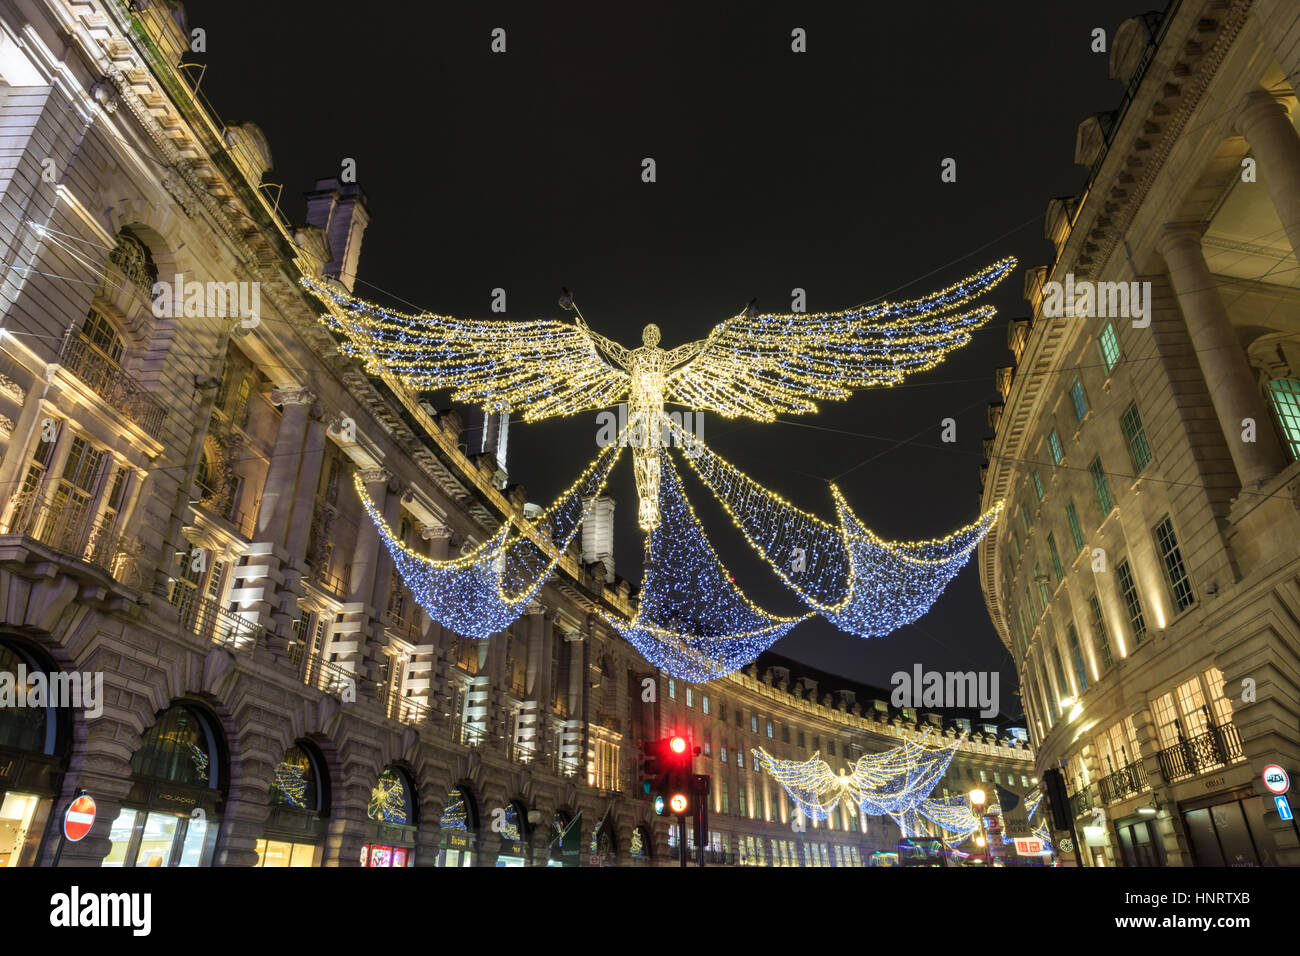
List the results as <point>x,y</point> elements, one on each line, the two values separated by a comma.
<point>1276,780</point>
<point>79,818</point>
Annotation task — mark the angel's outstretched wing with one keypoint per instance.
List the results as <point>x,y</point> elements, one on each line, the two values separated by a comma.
<point>764,365</point>
<point>810,783</point>
<point>537,369</point>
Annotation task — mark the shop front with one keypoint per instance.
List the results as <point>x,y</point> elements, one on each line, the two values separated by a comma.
<point>1139,841</point>
<point>172,814</point>
<point>514,836</point>
<point>33,755</point>
<point>459,825</point>
<point>295,828</point>
<point>393,821</point>
<point>1227,829</point>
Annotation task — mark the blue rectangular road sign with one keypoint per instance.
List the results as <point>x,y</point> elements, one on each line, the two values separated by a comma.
<point>1283,808</point>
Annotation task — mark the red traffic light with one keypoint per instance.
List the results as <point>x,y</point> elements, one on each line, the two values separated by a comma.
<point>678,803</point>
<point>678,745</point>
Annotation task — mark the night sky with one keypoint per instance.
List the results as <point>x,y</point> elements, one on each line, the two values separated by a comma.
<point>775,170</point>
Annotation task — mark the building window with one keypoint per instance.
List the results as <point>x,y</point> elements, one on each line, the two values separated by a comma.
<point>740,801</point>
<point>1041,578</point>
<point>99,332</point>
<point>690,697</point>
<point>1176,573</point>
<point>723,753</point>
<point>1099,628</point>
<point>1054,442</point>
<point>740,757</point>
<point>753,723</point>
<point>1076,532</point>
<point>1099,485</point>
<point>704,703</point>
<point>1284,395</point>
<point>1132,603</point>
<point>1038,485</point>
<point>1108,344</point>
<point>1079,401</point>
<point>1138,449</point>
<point>1060,676</point>
<point>726,803</point>
<point>1056,557</point>
<point>1076,654</point>
<point>672,689</point>
<point>785,733</point>
<point>1024,516</point>
<point>801,743</point>
<point>770,732</point>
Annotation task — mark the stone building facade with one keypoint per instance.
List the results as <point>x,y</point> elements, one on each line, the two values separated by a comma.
<point>1145,573</point>
<point>177,520</point>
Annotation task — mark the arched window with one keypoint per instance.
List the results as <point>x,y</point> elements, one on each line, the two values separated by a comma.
<point>296,781</point>
<point>34,741</point>
<point>390,799</point>
<point>295,829</point>
<point>393,809</point>
<point>135,261</point>
<point>459,824</point>
<point>100,332</point>
<point>180,748</point>
<point>172,815</point>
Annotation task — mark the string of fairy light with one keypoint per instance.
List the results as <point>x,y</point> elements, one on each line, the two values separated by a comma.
<point>691,620</point>
<point>482,592</point>
<point>891,782</point>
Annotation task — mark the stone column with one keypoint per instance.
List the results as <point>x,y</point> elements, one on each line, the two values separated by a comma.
<point>277,492</point>
<point>304,501</point>
<point>350,636</point>
<point>1223,362</point>
<point>1267,126</point>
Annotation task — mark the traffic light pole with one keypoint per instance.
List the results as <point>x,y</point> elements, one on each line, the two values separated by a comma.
<point>701,814</point>
<point>681,839</point>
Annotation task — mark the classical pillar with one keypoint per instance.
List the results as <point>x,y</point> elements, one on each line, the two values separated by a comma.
<point>1227,373</point>
<point>1267,126</point>
<point>277,492</point>
<point>361,581</point>
<point>304,501</point>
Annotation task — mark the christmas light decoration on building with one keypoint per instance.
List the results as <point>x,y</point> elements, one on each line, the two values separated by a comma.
<point>692,621</point>
<point>754,366</point>
<point>481,593</point>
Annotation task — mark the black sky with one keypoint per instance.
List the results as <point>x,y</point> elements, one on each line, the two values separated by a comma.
<point>775,170</point>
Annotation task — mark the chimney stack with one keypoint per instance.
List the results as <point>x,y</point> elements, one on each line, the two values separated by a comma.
<point>340,211</point>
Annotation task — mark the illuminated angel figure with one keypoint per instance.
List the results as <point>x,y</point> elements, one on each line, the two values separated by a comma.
<point>751,365</point>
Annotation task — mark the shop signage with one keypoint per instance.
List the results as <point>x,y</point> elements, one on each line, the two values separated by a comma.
<point>455,841</point>
<point>79,818</point>
<point>1031,846</point>
<point>1283,807</point>
<point>1213,782</point>
<point>6,769</point>
<point>1276,780</point>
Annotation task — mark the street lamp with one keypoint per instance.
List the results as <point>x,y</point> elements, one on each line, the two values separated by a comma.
<point>977,799</point>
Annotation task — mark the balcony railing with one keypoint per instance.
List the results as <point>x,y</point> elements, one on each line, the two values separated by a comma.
<point>408,710</point>
<point>75,531</point>
<point>113,384</point>
<point>210,621</point>
<point>1211,750</point>
<point>1082,801</point>
<point>1122,783</point>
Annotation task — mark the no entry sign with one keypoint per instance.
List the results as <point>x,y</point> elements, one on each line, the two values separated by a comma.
<point>79,818</point>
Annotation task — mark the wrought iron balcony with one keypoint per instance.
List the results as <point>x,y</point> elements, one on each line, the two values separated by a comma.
<point>113,384</point>
<point>1083,801</point>
<point>75,531</point>
<point>211,621</point>
<point>1123,783</point>
<point>1215,748</point>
